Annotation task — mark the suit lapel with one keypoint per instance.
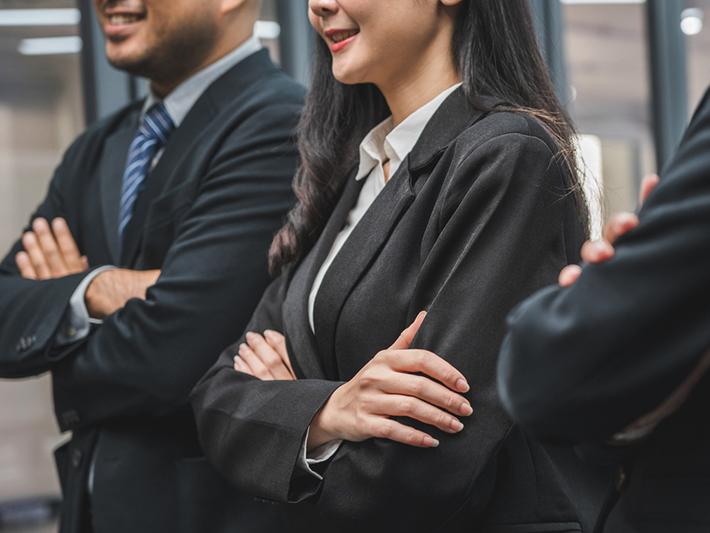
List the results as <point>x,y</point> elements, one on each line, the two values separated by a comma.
<point>375,228</point>
<point>111,168</point>
<point>239,80</point>
<point>306,356</point>
<point>197,120</point>
<point>354,258</point>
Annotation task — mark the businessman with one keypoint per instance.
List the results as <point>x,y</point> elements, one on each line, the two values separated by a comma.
<point>617,361</point>
<point>146,258</point>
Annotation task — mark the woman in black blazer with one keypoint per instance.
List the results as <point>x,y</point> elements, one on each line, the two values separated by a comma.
<point>461,201</point>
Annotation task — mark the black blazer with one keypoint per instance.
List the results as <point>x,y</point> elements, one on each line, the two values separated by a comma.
<point>206,218</point>
<point>583,363</point>
<point>478,215</point>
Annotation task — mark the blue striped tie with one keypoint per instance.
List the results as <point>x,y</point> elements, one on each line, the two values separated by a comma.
<point>150,137</point>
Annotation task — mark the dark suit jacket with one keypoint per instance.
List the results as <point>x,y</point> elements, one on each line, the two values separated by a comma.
<point>478,215</point>
<point>583,363</point>
<point>206,218</point>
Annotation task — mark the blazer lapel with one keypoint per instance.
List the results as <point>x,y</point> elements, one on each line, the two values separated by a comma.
<point>197,120</point>
<point>354,258</point>
<point>306,357</point>
<point>375,228</point>
<point>111,168</point>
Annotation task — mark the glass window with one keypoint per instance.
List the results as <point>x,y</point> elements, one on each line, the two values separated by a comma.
<point>268,29</point>
<point>696,25</point>
<point>607,59</point>
<point>40,114</point>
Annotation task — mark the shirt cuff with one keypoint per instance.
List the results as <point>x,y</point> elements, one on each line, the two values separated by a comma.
<point>317,456</point>
<point>76,323</point>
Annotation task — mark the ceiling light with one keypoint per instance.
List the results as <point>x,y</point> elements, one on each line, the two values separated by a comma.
<point>40,17</point>
<point>691,21</point>
<point>50,46</point>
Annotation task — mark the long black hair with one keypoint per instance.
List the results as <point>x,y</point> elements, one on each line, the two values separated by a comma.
<point>496,52</point>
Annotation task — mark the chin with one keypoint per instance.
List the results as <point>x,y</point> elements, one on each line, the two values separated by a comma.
<point>348,75</point>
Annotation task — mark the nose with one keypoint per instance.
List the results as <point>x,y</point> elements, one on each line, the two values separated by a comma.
<point>323,8</point>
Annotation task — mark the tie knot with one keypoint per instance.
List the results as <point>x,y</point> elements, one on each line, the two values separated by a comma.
<point>157,123</point>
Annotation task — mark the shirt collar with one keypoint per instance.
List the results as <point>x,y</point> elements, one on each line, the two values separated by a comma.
<point>385,143</point>
<point>179,102</point>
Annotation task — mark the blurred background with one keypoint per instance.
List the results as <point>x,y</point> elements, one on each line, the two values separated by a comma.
<point>630,72</point>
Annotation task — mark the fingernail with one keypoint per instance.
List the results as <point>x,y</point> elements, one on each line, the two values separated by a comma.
<point>462,385</point>
<point>242,347</point>
<point>432,443</point>
<point>466,409</point>
<point>456,425</point>
<point>249,336</point>
<point>268,333</point>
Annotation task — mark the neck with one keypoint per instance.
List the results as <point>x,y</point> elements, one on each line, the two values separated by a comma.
<point>162,88</point>
<point>408,91</point>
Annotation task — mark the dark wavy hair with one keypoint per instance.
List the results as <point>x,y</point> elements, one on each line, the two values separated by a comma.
<point>496,52</point>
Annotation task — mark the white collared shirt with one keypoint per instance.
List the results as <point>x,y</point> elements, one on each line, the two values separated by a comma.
<point>384,143</point>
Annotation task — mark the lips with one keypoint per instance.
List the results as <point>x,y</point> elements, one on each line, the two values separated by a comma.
<point>121,18</point>
<point>340,38</point>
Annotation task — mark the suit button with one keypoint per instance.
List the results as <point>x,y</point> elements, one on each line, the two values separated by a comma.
<point>71,332</point>
<point>25,343</point>
<point>76,457</point>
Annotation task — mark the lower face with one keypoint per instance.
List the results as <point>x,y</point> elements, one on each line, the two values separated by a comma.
<point>156,39</point>
<point>373,41</point>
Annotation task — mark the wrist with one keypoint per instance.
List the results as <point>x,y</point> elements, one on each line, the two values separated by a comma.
<point>93,298</point>
<point>321,431</point>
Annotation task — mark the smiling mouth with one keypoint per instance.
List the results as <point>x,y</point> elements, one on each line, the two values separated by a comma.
<point>123,19</point>
<point>338,36</point>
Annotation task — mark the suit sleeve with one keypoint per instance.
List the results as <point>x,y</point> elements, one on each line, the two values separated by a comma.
<point>146,358</point>
<point>501,238</point>
<point>32,311</point>
<point>581,364</point>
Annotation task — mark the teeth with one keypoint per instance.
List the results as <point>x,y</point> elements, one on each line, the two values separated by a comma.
<point>341,36</point>
<point>123,19</point>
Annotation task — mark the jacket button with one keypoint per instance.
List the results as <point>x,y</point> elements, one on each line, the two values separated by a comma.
<point>76,457</point>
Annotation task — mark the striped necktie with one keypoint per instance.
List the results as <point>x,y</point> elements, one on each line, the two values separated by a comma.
<point>150,138</point>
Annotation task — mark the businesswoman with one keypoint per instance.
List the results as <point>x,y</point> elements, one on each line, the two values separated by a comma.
<point>437,174</point>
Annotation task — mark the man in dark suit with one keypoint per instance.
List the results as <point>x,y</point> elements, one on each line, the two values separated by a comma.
<point>186,188</point>
<point>617,362</point>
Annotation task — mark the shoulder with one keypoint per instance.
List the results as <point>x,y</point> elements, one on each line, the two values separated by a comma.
<point>508,132</point>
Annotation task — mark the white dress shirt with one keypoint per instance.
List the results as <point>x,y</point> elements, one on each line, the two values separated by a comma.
<point>77,322</point>
<point>384,143</point>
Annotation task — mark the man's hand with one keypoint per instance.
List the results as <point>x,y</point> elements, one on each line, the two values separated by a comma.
<point>595,252</point>
<point>111,289</point>
<point>49,252</point>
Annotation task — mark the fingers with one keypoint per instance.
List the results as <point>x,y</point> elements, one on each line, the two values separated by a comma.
<point>597,251</point>
<point>257,367</point>
<point>67,245</point>
<point>268,356</point>
<point>278,342</point>
<point>34,252</point>
<point>49,247</point>
<point>648,184</point>
<point>618,225</point>
<point>385,428</point>
<point>569,275</point>
<point>427,390</point>
<point>24,265</point>
<point>404,341</point>
<point>241,366</point>
<point>397,405</point>
<point>428,363</point>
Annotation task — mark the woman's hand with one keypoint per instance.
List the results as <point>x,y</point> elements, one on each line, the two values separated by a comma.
<point>594,252</point>
<point>397,382</point>
<point>265,357</point>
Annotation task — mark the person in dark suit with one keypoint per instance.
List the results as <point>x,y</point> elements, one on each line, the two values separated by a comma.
<point>182,192</point>
<point>617,362</point>
<point>459,201</point>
